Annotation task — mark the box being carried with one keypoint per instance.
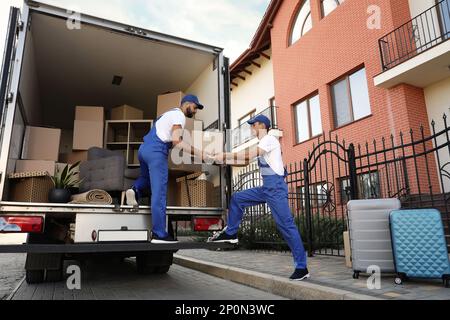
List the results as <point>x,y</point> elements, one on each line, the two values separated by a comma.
<point>30,187</point>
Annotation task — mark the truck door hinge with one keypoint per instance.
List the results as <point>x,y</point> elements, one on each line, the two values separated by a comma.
<point>20,26</point>
<point>10,97</point>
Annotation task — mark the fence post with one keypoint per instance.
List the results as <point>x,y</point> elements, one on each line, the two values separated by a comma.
<point>352,170</point>
<point>309,235</point>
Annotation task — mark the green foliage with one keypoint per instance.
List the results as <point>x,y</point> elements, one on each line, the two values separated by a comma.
<point>65,179</point>
<point>262,232</point>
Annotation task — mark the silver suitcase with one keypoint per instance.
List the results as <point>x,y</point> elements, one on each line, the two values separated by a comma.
<point>370,235</point>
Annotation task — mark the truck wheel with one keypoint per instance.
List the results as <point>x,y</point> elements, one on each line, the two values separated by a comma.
<point>162,269</point>
<point>54,275</point>
<point>34,276</point>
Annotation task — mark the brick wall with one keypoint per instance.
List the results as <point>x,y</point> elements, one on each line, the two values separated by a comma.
<point>336,45</point>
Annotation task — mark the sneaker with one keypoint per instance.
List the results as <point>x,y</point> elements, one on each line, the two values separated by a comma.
<point>132,197</point>
<point>223,237</point>
<point>300,275</point>
<point>166,240</point>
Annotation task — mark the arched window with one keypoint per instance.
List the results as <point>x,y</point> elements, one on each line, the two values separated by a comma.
<point>302,24</point>
<point>329,5</point>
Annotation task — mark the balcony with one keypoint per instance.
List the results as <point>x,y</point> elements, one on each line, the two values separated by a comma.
<point>242,135</point>
<point>418,52</point>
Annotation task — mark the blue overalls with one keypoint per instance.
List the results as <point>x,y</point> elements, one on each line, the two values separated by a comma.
<point>153,158</point>
<point>274,192</point>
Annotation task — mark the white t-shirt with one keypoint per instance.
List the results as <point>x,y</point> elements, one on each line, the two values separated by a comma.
<point>272,154</point>
<point>168,120</point>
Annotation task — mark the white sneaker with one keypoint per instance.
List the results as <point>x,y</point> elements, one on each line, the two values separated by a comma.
<point>131,198</point>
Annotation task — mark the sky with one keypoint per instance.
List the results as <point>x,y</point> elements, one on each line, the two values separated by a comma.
<point>229,24</point>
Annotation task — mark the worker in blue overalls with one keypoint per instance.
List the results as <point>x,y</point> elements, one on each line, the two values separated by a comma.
<point>274,192</point>
<point>165,134</point>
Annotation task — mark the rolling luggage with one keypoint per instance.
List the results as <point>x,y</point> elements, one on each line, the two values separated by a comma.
<point>419,245</point>
<point>370,236</point>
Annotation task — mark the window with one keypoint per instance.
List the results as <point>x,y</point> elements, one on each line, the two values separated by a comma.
<point>328,6</point>
<point>318,194</point>
<point>246,118</point>
<point>308,119</point>
<point>303,22</point>
<point>351,98</point>
<point>368,187</point>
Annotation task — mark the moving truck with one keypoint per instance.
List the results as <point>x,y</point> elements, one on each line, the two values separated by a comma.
<point>56,60</point>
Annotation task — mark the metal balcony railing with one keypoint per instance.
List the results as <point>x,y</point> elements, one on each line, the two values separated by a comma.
<point>427,30</point>
<point>243,134</point>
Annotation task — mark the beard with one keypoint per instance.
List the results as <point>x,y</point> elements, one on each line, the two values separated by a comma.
<point>189,114</point>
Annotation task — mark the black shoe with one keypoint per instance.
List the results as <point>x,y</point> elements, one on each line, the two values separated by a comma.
<point>132,197</point>
<point>223,237</point>
<point>166,240</point>
<point>300,275</point>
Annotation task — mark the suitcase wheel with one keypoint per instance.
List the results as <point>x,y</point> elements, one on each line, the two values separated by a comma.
<point>356,275</point>
<point>398,281</point>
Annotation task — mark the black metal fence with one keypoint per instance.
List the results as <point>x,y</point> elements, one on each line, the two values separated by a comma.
<point>414,167</point>
<point>423,32</point>
<point>243,134</point>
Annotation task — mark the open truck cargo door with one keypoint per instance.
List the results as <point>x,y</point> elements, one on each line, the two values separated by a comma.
<point>9,85</point>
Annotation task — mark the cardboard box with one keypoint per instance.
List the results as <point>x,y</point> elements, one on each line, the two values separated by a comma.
<point>73,157</point>
<point>41,144</point>
<point>126,112</point>
<point>90,114</point>
<point>195,193</point>
<point>87,134</point>
<point>169,101</point>
<point>35,166</point>
<point>30,187</point>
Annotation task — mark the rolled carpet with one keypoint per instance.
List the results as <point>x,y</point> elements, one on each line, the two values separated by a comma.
<point>92,197</point>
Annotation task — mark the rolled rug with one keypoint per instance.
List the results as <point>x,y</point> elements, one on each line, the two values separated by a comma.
<point>92,197</point>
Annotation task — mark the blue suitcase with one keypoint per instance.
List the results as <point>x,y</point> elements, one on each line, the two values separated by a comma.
<point>419,245</point>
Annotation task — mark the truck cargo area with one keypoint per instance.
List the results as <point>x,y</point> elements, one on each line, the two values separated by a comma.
<point>96,66</point>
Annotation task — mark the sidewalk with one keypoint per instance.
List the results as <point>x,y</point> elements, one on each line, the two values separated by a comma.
<point>330,279</point>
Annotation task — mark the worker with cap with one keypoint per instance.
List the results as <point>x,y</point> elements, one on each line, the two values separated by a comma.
<point>274,192</point>
<point>165,134</point>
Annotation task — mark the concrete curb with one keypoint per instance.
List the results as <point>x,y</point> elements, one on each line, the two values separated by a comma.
<point>269,283</point>
<point>13,293</point>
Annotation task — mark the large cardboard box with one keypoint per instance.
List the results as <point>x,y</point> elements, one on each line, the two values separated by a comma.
<point>87,134</point>
<point>73,157</point>
<point>169,101</point>
<point>126,112</point>
<point>30,187</point>
<point>41,144</point>
<point>35,166</point>
<point>90,114</point>
<point>193,192</point>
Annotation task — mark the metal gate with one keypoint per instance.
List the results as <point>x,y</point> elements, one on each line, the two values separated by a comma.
<point>319,189</point>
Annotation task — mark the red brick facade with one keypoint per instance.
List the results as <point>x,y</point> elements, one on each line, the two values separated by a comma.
<point>336,45</point>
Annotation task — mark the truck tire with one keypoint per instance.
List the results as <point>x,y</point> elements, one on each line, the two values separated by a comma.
<point>154,262</point>
<point>43,267</point>
<point>34,276</point>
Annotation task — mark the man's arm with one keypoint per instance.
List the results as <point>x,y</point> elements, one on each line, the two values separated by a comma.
<point>240,159</point>
<point>177,140</point>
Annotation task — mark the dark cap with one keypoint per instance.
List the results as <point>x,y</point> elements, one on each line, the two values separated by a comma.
<point>193,99</point>
<point>262,119</point>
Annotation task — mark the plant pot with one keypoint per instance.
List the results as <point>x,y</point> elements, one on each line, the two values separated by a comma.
<point>59,196</point>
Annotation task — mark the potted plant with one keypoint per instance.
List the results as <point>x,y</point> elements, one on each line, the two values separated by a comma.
<point>64,180</point>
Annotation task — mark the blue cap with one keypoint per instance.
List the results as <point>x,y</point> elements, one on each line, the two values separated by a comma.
<point>260,118</point>
<point>193,99</point>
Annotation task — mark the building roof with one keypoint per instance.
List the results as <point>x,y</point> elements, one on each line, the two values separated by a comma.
<point>260,42</point>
